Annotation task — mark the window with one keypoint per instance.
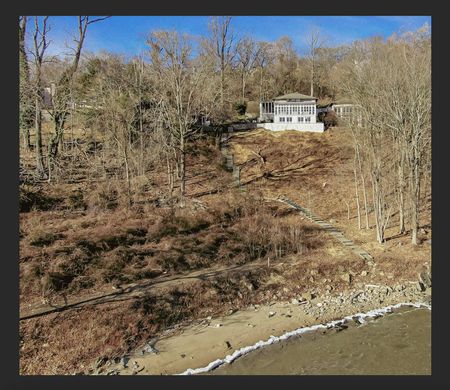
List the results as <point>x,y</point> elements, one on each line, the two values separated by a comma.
<point>300,119</point>
<point>282,119</point>
<point>308,119</point>
<point>289,119</point>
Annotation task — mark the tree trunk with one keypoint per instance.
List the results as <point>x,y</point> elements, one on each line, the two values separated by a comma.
<point>38,128</point>
<point>401,208</point>
<point>170,181</point>
<point>363,183</point>
<point>222,87</point>
<point>243,87</point>
<point>260,85</point>
<point>127,175</point>
<point>415,197</point>
<point>26,100</point>
<point>182,167</point>
<point>357,194</point>
<point>377,206</point>
<point>26,138</point>
<point>59,123</point>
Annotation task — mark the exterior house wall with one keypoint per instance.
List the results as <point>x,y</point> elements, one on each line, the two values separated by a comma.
<point>343,110</point>
<point>290,112</point>
<point>303,112</point>
<point>348,111</point>
<point>266,111</point>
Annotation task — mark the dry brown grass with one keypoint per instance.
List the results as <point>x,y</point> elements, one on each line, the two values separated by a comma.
<point>115,329</point>
<point>316,170</point>
<point>92,234</point>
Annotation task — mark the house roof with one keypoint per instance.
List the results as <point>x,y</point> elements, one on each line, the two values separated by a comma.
<point>295,96</point>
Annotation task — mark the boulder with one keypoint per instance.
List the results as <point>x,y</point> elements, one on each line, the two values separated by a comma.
<point>307,296</point>
<point>347,277</point>
<point>124,361</point>
<point>425,278</point>
<point>100,362</point>
<point>419,286</point>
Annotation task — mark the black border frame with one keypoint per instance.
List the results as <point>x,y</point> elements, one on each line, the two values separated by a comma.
<point>10,162</point>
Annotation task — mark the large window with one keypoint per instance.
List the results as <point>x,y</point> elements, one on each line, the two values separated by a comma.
<point>289,119</point>
<point>308,119</point>
<point>282,119</point>
<point>300,119</point>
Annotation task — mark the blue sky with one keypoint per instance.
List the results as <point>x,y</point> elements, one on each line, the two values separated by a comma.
<point>127,34</point>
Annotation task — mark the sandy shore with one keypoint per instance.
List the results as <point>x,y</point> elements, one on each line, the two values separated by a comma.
<point>214,338</point>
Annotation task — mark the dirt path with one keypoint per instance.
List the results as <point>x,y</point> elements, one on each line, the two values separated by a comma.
<point>135,290</point>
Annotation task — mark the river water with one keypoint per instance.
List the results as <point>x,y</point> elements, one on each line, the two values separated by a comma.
<point>395,344</point>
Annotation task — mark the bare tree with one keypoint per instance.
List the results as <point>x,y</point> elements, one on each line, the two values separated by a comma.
<point>62,97</point>
<point>40,45</point>
<point>221,45</point>
<point>182,88</point>
<point>417,59</point>
<point>392,83</point>
<point>26,94</point>
<point>263,60</point>
<point>283,75</point>
<point>314,42</point>
<point>247,53</point>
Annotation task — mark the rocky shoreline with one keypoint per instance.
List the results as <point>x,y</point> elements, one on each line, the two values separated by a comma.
<point>209,339</point>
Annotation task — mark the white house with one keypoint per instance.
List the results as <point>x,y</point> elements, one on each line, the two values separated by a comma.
<point>343,110</point>
<point>293,111</point>
<point>347,111</point>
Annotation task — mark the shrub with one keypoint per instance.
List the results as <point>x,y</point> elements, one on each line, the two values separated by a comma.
<point>240,108</point>
<point>75,263</point>
<point>103,198</point>
<point>76,200</point>
<point>173,261</point>
<point>165,311</point>
<point>330,119</point>
<point>116,261</point>
<point>81,282</point>
<point>35,199</point>
<point>43,238</point>
<point>263,236</point>
<point>37,269</point>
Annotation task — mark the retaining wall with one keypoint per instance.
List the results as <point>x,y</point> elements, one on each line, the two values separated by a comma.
<point>314,127</point>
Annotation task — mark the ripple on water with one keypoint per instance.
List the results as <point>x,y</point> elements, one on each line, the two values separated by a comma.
<point>396,344</point>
